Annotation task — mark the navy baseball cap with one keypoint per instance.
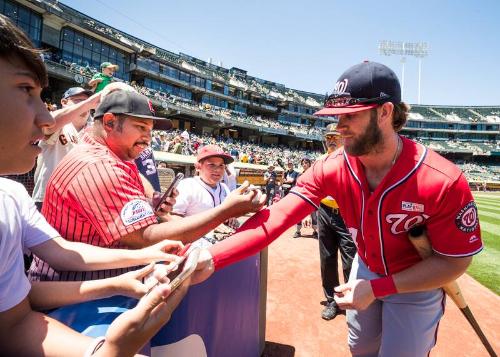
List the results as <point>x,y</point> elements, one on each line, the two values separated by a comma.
<point>133,104</point>
<point>362,87</point>
<point>76,91</point>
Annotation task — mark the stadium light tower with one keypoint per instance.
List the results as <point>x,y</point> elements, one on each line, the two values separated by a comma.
<point>403,49</point>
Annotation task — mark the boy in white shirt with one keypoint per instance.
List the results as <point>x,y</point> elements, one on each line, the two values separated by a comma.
<point>206,191</point>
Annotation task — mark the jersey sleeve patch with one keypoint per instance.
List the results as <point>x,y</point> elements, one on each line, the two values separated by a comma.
<point>134,211</point>
<point>466,219</point>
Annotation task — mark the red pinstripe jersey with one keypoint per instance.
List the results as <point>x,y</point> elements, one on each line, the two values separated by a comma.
<point>422,188</point>
<point>96,198</point>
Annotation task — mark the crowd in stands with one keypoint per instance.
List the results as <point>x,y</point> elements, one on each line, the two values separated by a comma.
<point>187,143</point>
<point>481,173</point>
<point>456,114</point>
<point>459,145</point>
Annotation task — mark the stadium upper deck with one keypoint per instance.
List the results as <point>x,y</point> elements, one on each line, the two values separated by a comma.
<point>205,97</point>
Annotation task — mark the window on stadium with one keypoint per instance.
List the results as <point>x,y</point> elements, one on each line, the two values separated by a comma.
<point>210,99</point>
<point>218,87</point>
<point>288,119</point>
<point>168,88</point>
<point>28,20</point>
<point>148,64</point>
<point>300,109</point>
<point>87,51</point>
<point>171,72</point>
<point>240,108</point>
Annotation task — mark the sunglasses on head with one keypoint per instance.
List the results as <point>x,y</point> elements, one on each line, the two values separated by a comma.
<point>343,100</point>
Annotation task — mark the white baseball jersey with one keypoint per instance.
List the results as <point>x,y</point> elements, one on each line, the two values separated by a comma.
<point>54,149</point>
<point>195,196</point>
<point>230,180</point>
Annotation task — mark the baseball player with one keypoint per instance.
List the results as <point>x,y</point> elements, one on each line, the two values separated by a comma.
<point>384,184</point>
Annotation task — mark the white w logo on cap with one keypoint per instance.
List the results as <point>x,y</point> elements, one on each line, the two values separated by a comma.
<point>340,86</point>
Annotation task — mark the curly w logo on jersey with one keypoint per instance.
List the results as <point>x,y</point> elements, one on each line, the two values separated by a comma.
<point>466,219</point>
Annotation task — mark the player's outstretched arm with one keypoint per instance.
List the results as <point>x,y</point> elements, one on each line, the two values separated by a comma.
<point>254,235</point>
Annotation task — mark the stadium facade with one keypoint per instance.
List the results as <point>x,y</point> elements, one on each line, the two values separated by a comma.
<point>205,98</point>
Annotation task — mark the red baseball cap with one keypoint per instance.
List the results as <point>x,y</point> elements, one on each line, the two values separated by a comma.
<point>213,151</point>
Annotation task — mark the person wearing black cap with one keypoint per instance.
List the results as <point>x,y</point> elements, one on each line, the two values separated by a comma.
<point>96,196</point>
<point>289,177</point>
<point>385,184</point>
<point>333,236</point>
<point>270,178</point>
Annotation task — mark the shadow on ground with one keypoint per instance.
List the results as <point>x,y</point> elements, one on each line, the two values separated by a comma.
<point>273,349</point>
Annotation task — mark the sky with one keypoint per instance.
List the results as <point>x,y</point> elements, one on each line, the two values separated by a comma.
<point>307,45</point>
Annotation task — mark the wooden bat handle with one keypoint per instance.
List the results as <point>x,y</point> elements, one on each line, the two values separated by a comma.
<point>421,243</point>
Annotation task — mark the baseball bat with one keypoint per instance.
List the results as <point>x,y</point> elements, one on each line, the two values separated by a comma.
<point>421,243</point>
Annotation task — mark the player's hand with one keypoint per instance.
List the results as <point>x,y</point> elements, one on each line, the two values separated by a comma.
<point>204,269</point>
<point>164,251</point>
<point>242,201</point>
<point>356,294</point>
<point>132,329</point>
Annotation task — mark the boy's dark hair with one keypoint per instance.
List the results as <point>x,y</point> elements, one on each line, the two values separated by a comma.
<point>14,44</point>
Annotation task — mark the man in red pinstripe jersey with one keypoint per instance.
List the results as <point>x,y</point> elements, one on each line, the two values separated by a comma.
<point>95,194</point>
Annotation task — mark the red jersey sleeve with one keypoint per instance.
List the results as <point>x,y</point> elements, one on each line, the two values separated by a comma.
<point>268,224</point>
<point>454,229</point>
<point>112,199</point>
<point>260,230</point>
<point>309,184</point>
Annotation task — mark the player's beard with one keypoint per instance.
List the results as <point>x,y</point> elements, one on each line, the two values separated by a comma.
<point>369,140</point>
